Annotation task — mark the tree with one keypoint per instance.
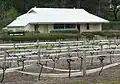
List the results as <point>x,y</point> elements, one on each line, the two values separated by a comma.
<point>7,16</point>
<point>4,66</point>
<point>113,6</point>
<point>96,7</point>
<point>118,14</point>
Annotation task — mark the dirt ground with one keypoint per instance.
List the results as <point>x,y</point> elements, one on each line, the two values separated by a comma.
<point>111,74</point>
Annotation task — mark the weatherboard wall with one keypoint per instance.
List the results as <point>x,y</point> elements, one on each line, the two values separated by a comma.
<point>15,29</point>
<point>46,28</point>
<point>92,27</point>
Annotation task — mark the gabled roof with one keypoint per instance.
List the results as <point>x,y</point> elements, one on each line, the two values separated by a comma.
<point>56,15</point>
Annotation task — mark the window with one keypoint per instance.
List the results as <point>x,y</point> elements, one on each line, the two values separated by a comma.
<point>63,26</point>
<point>58,26</point>
<point>69,25</point>
<point>88,26</point>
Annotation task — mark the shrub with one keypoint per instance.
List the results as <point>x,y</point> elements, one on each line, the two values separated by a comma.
<point>73,31</point>
<point>37,36</point>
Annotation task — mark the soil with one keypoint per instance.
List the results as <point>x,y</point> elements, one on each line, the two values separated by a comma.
<point>111,74</point>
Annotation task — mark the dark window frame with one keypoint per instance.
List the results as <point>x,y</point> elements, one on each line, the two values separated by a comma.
<point>64,26</point>
<point>69,26</point>
<point>58,26</point>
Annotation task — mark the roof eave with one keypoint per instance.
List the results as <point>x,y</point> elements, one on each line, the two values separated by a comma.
<point>64,22</point>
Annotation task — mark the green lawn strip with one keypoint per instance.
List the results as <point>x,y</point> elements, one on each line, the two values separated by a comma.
<point>94,82</point>
<point>111,82</point>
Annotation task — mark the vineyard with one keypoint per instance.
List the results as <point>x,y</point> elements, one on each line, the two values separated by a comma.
<point>61,59</point>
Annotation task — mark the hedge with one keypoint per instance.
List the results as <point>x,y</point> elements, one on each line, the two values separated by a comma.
<point>102,33</point>
<point>73,31</point>
<point>37,36</point>
<point>114,25</point>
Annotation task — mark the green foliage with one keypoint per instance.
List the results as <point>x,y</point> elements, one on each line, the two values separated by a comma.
<point>91,6</point>
<point>118,13</point>
<point>115,25</point>
<point>10,9</point>
<point>102,33</point>
<point>7,16</point>
<point>72,31</point>
<point>112,82</point>
<point>31,36</point>
<point>88,35</point>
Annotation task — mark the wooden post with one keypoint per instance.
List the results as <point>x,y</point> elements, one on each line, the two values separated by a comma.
<point>38,51</point>
<point>40,71</point>
<point>59,46</point>
<point>109,44</point>
<point>23,61</point>
<point>81,64</point>
<point>69,60</point>
<point>14,46</point>
<point>69,66</point>
<point>101,48</point>
<point>111,57</point>
<point>92,53</point>
<point>68,49</point>
<point>81,59</point>
<point>17,56</point>
<point>4,66</point>
<point>115,40</point>
<point>84,63</point>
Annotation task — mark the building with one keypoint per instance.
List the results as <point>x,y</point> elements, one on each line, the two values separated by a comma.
<point>45,20</point>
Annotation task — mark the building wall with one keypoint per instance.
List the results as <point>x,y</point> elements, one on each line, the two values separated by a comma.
<point>26,28</point>
<point>50,27</point>
<point>92,27</point>
<point>29,28</point>
<point>41,28</point>
<point>46,28</point>
<point>15,29</point>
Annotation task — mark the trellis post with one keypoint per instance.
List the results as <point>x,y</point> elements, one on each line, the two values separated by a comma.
<point>4,67</point>
<point>14,45</point>
<point>59,45</point>
<point>84,63</point>
<point>101,48</point>
<point>38,51</point>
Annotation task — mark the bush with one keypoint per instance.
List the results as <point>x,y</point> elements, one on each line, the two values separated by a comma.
<point>73,31</point>
<point>114,25</point>
<point>37,36</point>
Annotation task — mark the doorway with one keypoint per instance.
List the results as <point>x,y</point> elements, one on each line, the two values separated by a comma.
<point>78,27</point>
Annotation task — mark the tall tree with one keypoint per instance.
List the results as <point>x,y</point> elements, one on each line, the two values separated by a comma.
<point>7,16</point>
<point>113,6</point>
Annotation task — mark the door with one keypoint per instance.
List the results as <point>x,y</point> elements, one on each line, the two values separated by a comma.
<point>78,27</point>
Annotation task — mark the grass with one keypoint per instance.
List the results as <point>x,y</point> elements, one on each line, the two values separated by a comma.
<point>94,82</point>
<point>112,82</point>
